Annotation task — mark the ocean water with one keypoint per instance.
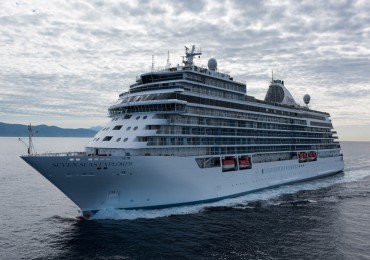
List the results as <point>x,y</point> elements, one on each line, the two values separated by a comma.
<point>327,218</point>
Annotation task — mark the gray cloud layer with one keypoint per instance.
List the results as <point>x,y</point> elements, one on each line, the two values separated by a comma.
<point>71,59</point>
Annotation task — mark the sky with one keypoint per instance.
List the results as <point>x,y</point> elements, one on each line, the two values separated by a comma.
<point>64,63</point>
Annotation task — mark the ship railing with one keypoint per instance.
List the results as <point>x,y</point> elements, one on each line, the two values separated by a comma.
<point>50,154</point>
<point>200,68</point>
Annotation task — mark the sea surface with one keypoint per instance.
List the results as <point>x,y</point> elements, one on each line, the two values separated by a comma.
<point>327,218</point>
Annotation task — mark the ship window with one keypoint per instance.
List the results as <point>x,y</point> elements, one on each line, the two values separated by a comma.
<point>128,128</point>
<point>135,128</point>
<point>107,138</point>
<point>125,140</point>
<point>119,139</point>
<point>127,116</point>
<point>117,127</point>
<point>145,117</point>
<point>138,117</point>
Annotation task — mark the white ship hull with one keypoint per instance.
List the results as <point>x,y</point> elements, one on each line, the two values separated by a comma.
<point>97,182</point>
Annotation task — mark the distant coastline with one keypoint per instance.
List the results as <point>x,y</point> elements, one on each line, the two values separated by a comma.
<point>19,130</point>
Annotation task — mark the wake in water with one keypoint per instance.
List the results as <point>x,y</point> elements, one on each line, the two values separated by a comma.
<point>269,196</point>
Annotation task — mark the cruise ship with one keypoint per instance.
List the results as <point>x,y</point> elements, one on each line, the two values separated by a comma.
<point>191,134</point>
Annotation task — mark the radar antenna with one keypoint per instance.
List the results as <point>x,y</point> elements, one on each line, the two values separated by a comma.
<point>189,55</point>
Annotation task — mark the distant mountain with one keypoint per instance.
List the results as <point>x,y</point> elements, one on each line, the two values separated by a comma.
<point>96,128</point>
<point>18,130</point>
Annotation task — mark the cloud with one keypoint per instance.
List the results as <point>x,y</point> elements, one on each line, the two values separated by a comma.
<point>72,59</point>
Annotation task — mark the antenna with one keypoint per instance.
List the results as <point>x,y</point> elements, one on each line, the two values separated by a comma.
<point>272,75</point>
<point>30,148</point>
<point>152,63</point>
<point>30,143</point>
<point>168,60</point>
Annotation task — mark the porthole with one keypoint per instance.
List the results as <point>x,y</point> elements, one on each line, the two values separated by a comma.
<point>138,117</point>
<point>135,128</point>
<point>128,128</point>
<point>119,139</point>
<point>145,117</point>
<point>125,140</point>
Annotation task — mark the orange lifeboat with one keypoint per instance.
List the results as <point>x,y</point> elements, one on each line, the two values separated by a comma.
<point>312,156</point>
<point>244,163</point>
<point>302,157</point>
<point>228,164</point>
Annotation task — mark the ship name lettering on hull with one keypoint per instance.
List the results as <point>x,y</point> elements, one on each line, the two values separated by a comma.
<point>92,164</point>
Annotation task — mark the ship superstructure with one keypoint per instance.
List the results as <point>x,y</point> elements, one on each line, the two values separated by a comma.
<point>189,134</point>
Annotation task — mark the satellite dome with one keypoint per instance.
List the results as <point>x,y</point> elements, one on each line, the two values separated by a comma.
<point>306,99</point>
<point>212,64</point>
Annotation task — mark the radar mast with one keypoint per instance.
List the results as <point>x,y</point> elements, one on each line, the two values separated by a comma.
<point>189,55</point>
